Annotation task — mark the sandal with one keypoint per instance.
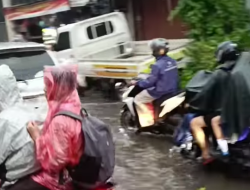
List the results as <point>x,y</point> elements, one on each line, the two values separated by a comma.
<point>206,161</point>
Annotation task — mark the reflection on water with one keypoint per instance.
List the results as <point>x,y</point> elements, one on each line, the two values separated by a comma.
<point>143,162</point>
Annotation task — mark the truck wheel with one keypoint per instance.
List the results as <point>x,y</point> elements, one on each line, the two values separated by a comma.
<point>105,87</point>
<point>108,89</point>
<point>90,83</point>
<point>81,91</point>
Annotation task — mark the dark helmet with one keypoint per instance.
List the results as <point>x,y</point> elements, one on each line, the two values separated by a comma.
<point>227,51</point>
<point>157,44</point>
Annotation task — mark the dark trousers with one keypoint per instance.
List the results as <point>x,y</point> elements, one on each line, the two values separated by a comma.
<point>26,184</point>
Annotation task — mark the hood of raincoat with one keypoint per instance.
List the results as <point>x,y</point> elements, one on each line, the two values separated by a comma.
<point>10,94</point>
<point>17,152</point>
<point>209,99</point>
<point>61,141</point>
<point>61,84</point>
<point>235,112</point>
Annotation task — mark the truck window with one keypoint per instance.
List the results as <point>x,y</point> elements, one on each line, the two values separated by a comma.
<point>90,35</point>
<point>63,42</point>
<point>100,29</point>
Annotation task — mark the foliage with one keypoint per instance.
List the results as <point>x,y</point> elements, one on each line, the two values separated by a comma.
<point>209,18</point>
<point>204,59</point>
<point>202,188</point>
<point>211,22</point>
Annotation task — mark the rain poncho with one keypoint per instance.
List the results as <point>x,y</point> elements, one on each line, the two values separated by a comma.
<point>16,146</point>
<point>210,99</point>
<point>236,110</point>
<point>196,84</point>
<point>61,143</point>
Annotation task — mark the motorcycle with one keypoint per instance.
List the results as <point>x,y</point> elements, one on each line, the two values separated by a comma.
<point>166,110</point>
<point>239,146</point>
<point>238,158</point>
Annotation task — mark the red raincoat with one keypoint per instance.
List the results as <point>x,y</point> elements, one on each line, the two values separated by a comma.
<point>61,142</point>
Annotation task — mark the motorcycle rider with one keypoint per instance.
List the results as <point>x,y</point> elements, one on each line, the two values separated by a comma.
<point>210,100</point>
<point>162,80</point>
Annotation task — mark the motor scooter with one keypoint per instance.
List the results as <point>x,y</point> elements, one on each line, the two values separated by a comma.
<point>238,145</point>
<point>166,110</point>
<point>237,163</point>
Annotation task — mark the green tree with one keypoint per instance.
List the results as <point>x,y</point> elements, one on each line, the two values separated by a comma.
<point>211,22</point>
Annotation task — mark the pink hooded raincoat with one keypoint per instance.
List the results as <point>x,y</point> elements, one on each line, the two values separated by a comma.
<point>61,141</point>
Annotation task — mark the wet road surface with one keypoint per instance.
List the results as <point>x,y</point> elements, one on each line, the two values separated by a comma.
<point>144,162</point>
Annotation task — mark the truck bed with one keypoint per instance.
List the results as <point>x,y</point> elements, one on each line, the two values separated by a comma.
<point>126,65</point>
<point>136,57</point>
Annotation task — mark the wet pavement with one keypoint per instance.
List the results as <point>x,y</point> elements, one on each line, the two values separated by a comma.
<point>144,162</point>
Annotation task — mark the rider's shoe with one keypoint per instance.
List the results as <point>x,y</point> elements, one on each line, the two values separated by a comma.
<point>225,153</point>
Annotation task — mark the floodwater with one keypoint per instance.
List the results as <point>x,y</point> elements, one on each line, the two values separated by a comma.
<point>143,162</point>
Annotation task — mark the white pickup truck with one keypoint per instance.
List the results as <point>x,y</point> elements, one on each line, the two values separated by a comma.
<point>103,48</point>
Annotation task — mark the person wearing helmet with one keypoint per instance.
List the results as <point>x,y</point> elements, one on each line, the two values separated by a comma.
<point>162,80</point>
<point>209,101</point>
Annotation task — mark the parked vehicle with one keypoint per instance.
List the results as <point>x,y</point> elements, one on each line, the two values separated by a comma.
<point>104,50</point>
<point>27,60</point>
<point>166,110</point>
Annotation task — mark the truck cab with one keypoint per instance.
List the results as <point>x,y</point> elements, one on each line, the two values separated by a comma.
<point>87,38</point>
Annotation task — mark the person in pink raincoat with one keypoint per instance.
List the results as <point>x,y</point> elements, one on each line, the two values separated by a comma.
<point>60,143</point>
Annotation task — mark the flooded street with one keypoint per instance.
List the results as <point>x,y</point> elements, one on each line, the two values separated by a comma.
<point>144,163</point>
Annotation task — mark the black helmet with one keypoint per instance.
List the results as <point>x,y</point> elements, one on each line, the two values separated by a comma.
<point>157,44</point>
<point>227,51</point>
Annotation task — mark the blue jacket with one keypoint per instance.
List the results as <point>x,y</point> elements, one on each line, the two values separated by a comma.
<point>163,78</point>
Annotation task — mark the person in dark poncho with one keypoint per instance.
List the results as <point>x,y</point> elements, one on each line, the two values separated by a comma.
<point>235,115</point>
<point>209,102</point>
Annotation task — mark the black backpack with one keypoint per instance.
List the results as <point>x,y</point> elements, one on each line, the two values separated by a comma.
<point>97,163</point>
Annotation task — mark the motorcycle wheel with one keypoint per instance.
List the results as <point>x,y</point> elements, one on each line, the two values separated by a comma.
<point>127,120</point>
<point>192,154</point>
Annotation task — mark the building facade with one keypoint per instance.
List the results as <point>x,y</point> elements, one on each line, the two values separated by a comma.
<point>147,18</point>
<point>20,13</point>
<point>150,19</point>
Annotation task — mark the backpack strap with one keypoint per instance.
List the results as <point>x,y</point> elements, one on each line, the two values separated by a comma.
<point>84,111</point>
<point>69,114</point>
<point>73,116</point>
